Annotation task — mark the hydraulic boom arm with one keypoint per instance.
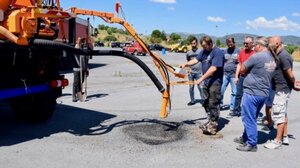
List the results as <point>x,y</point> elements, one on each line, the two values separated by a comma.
<point>160,64</point>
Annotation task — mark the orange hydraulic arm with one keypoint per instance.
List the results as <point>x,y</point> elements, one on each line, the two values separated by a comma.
<point>22,17</point>
<point>160,64</point>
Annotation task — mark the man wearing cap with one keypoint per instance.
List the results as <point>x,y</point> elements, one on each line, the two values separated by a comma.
<point>258,70</point>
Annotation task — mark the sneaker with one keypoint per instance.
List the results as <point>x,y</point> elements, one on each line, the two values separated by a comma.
<point>191,103</point>
<point>285,140</point>
<point>233,114</point>
<point>224,107</point>
<point>239,140</point>
<point>273,144</point>
<point>246,148</point>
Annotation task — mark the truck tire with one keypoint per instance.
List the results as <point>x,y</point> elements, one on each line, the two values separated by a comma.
<point>34,108</point>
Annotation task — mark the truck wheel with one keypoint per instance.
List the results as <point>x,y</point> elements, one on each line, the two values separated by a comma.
<point>34,108</point>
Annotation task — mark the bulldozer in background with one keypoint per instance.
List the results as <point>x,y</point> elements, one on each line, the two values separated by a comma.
<point>35,34</point>
<point>181,47</point>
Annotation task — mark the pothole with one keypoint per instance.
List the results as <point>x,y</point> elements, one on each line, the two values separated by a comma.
<point>155,133</point>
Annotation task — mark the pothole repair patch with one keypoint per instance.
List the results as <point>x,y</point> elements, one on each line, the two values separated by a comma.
<point>155,133</point>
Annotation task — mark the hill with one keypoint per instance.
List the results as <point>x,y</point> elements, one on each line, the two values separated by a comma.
<point>239,38</point>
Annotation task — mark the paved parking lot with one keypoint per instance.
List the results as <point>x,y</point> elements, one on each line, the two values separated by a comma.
<point>119,126</point>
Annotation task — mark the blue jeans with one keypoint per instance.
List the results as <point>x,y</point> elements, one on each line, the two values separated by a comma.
<point>238,95</point>
<point>251,106</point>
<point>226,80</point>
<point>193,77</point>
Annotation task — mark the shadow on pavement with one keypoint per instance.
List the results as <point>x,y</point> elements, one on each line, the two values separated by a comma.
<point>263,137</point>
<point>222,122</point>
<point>76,121</point>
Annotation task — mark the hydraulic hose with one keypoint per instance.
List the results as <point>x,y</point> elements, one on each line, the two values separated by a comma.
<point>63,46</point>
<point>59,45</point>
<point>135,60</point>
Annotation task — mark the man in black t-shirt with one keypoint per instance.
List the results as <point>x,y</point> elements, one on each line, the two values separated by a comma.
<point>283,82</point>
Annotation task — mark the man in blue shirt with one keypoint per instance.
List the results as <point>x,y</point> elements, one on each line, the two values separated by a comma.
<point>212,59</point>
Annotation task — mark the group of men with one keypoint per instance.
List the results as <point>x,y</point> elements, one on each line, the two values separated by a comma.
<point>261,66</point>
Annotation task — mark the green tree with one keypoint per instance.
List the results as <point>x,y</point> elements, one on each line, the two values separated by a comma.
<point>174,38</point>
<point>110,38</point>
<point>218,42</point>
<point>156,34</point>
<point>110,31</point>
<point>290,48</point>
<point>101,27</point>
<point>155,40</point>
<point>163,36</point>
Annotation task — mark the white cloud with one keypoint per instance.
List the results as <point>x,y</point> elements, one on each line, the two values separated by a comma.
<point>296,14</point>
<point>171,8</point>
<point>281,23</point>
<point>215,19</point>
<point>164,1</point>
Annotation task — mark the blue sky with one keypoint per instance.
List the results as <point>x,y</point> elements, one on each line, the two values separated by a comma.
<point>213,17</point>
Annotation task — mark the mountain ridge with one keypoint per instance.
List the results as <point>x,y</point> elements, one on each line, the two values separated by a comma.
<point>239,37</point>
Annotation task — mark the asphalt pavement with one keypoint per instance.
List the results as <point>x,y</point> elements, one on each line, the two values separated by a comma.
<point>119,126</point>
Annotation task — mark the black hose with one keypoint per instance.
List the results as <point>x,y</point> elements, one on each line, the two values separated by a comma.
<point>57,45</point>
<point>63,46</point>
<point>135,60</point>
<point>38,42</point>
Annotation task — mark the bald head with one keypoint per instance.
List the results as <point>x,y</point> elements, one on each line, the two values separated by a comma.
<point>275,39</point>
<point>275,43</point>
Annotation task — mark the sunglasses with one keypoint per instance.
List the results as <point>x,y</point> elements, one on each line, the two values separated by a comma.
<point>246,43</point>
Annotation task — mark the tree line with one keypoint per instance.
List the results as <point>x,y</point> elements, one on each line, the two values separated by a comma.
<point>158,36</point>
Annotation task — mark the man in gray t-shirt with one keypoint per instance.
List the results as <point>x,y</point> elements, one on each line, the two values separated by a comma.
<point>196,71</point>
<point>258,69</point>
<point>257,82</point>
<point>230,65</point>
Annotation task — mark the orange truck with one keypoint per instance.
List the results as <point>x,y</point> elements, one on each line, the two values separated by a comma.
<point>34,34</point>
